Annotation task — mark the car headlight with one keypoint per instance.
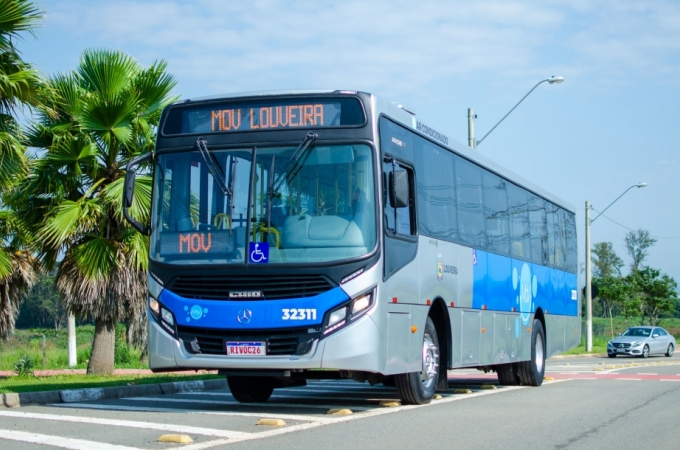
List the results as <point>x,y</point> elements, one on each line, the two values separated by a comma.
<point>609,344</point>
<point>349,311</point>
<point>636,344</point>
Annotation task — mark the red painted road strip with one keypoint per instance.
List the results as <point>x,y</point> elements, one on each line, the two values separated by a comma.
<point>574,376</point>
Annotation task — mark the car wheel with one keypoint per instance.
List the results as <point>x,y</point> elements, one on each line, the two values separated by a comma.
<point>670,350</point>
<point>611,355</point>
<point>531,372</point>
<point>418,388</point>
<point>645,351</point>
<point>251,389</point>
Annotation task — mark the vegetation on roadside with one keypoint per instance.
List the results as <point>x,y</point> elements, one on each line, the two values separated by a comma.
<point>59,382</point>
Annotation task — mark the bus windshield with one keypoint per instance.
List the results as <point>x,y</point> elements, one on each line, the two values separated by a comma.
<point>307,203</point>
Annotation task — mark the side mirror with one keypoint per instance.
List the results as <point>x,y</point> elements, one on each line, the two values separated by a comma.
<point>654,336</point>
<point>399,189</point>
<point>129,191</point>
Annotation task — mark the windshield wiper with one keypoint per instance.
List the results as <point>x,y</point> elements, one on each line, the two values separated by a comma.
<point>214,167</point>
<point>293,162</point>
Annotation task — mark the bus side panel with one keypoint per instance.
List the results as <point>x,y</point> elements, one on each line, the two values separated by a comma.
<point>505,340</point>
<point>555,334</point>
<point>573,331</point>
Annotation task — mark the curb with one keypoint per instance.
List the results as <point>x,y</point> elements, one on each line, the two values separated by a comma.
<point>582,355</point>
<point>16,400</point>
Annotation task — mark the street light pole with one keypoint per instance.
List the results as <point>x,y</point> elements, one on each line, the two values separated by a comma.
<point>589,285</point>
<point>471,127</point>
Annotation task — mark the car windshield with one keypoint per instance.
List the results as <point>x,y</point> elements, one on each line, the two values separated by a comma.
<point>639,332</point>
<point>278,206</point>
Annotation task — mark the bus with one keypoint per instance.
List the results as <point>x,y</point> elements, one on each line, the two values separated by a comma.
<point>333,235</point>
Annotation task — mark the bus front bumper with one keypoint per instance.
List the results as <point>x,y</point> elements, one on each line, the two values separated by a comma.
<point>355,347</point>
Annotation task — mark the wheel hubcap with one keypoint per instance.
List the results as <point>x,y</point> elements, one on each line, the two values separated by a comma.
<point>670,349</point>
<point>539,354</point>
<point>430,362</point>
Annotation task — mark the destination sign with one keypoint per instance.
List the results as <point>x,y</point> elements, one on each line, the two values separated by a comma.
<point>196,243</point>
<point>264,116</point>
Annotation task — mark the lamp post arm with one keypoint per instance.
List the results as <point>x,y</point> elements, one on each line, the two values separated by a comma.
<point>513,108</point>
<point>617,198</point>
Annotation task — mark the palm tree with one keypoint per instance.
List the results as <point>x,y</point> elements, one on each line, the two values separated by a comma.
<point>96,119</point>
<point>18,87</point>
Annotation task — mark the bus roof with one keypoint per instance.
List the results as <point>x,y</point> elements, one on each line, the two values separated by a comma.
<point>411,121</point>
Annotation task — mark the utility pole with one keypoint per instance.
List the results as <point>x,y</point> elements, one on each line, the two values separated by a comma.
<point>471,128</point>
<point>72,354</point>
<point>589,298</point>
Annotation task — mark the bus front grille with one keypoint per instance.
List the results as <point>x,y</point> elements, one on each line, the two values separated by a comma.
<point>279,342</point>
<point>272,287</point>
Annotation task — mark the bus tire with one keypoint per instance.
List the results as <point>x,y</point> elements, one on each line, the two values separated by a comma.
<point>507,374</point>
<point>531,372</point>
<point>418,388</point>
<point>251,389</point>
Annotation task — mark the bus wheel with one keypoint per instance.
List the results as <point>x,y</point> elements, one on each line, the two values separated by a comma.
<point>531,372</point>
<point>251,389</point>
<point>418,388</point>
<point>507,374</point>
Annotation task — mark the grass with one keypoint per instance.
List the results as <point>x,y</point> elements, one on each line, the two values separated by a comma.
<point>55,355</point>
<point>599,346</point>
<point>59,382</point>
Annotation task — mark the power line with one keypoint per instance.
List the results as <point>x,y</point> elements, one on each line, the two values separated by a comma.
<point>630,229</point>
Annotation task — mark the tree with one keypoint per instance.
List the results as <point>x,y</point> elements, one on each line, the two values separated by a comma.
<point>637,243</point>
<point>613,291</point>
<point>18,87</point>
<point>96,119</point>
<point>605,260</point>
<point>653,293</point>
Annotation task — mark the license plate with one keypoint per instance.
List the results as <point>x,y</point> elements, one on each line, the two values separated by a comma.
<point>246,348</point>
<point>622,350</point>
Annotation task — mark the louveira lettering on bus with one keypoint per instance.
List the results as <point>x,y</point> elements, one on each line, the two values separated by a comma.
<point>434,134</point>
<point>267,117</point>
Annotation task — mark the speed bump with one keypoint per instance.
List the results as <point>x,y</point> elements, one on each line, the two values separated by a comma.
<point>389,403</point>
<point>339,412</point>
<point>462,391</point>
<point>437,397</point>
<point>548,378</point>
<point>271,422</point>
<point>488,386</point>
<point>176,438</point>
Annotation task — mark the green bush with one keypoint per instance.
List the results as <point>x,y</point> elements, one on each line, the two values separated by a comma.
<point>122,354</point>
<point>24,367</point>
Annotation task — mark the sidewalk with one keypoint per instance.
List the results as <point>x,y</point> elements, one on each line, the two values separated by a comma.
<point>49,373</point>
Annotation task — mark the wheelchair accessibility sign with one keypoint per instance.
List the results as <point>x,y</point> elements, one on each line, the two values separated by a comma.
<point>258,253</point>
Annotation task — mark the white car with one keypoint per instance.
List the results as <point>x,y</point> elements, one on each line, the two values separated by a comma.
<point>642,342</point>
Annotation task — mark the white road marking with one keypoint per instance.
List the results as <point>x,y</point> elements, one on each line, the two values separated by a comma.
<point>57,441</point>
<point>663,379</point>
<point>268,404</point>
<point>127,423</point>
<point>644,373</point>
<point>629,379</point>
<point>234,437</point>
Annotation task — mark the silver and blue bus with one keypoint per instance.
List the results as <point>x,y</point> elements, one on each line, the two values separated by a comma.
<point>332,234</point>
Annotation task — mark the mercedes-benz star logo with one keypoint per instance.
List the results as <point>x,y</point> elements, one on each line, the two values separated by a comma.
<point>244,316</point>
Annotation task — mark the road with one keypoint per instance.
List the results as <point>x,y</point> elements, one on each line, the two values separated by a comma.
<point>585,403</point>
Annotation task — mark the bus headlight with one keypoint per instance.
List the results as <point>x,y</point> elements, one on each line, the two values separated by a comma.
<point>154,306</point>
<point>167,316</point>
<point>349,311</point>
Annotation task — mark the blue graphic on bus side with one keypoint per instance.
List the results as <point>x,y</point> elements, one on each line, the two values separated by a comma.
<point>296,312</point>
<point>258,253</point>
<point>502,283</point>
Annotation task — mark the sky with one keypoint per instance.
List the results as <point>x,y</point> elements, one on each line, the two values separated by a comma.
<point>612,123</point>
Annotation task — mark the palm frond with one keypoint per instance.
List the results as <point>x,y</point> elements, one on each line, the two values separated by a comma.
<point>17,16</point>
<point>106,72</point>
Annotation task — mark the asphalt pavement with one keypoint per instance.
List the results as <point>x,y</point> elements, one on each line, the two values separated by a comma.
<point>584,403</point>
